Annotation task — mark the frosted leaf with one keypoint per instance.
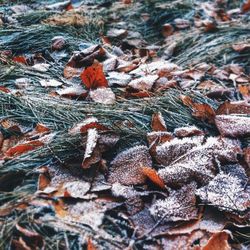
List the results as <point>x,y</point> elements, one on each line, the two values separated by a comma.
<point>75,90</point>
<point>92,153</point>
<point>173,149</point>
<point>76,189</point>
<point>227,190</point>
<point>92,138</point>
<point>119,190</point>
<point>50,83</point>
<point>179,206</point>
<point>107,141</point>
<point>110,64</point>
<point>77,127</point>
<point>158,137</point>
<point>102,95</point>
<point>117,78</point>
<point>127,166</point>
<point>42,67</point>
<point>143,83</point>
<point>188,131</point>
<point>198,162</point>
<point>233,125</point>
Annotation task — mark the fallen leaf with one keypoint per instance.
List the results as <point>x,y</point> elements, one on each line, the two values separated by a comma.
<point>19,59</point>
<point>167,30</point>
<point>188,131</point>
<point>218,241</point>
<point>102,95</point>
<point>90,245</point>
<point>93,76</point>
<point>50,83</point>
<point>143,83</point>
<point>233,125</point>
<point>92,153</point>
<point>245,6</point>
<point>23,148</point>
<point>158,123</point>
<point>239,107</point>
<point>240,47</point>
<point>153,176</point>
<point>73,91</point>
<point>180,205</point>
<point>127,166</point>
<point>228,190</point>
<point>58,43</point>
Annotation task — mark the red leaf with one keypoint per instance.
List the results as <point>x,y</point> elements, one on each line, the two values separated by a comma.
<point>19,59</point>
<point>93,76</point>
<point>23,148</point>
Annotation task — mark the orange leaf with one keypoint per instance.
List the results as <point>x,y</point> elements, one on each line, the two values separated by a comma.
<point>218,241</point>
<point>158,123</point>
<point>69,7</point>
<point>90,245</point>
<point>203,112</point>
<point>187,100</point>
<point>4,89</point>
<point>245,6</point>
<point>153,176</point>
<point>40,128</point>
<point>93,76</point>
<point>19,59</point>
<point>23,148</point>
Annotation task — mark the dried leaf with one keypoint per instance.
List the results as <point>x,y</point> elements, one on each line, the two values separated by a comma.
<point>70,72</point>
<point>153,176</point>
<point>19,59</point>
<point>245,6</point>
<point>127,166</point>
<point>188,131</point>
<point>143,83</point>
<point>227,190</point>
<point>92,154</point>
<point>58,43</point>
<point>239,107</point>
<point>233,125</point>
<point>188,165</point>
<point>23,148</point>
<point>167,30</point>
<point>179,206</point>
<point>102,95</point>
<point>73,91</point>
<point>158,123</point>
<point>93,76</point>
<point>240,47</point>
<point>218,241</point>
<point>90,245</point>
<point>50,83</point>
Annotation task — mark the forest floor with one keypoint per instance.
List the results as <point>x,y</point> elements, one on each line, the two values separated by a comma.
<point>125,124</point>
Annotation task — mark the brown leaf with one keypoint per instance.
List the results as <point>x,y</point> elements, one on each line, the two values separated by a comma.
<point>127,166</point>
<point>167,30</point>
<point>183,159</point>
<point>58,43</point>
<point>228,190</point>
<point>233,125</point>
<point>70,72</point>
<point>180,205</point>
<point>240,47</point>
<point>34,240</point>
<point>158,123</point>
<point>218,241</point>
<point>245,6</point>
<point>86,57</point>
<point>153,176</point>
<point>239,107</point>
<point>93,76</point>
<point>188,131</point>
<point>43,181</point>
<point>143,83</point>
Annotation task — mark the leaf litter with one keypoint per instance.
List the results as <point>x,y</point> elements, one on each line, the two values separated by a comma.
<point>124,125</point>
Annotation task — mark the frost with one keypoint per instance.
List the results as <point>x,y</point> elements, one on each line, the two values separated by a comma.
<point>197,163</point>
<point>233,125</point>
<point>91,142</point>
<point>227,190</point>
<point>188,131</point>
<point>143,83</point>
<point>172,150</point>
<point>77,128</point>
<point>77,189</point>
<point>102,95</point>
<point>127,166</point>
<point>179,206</point>
<point>50,83</point>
